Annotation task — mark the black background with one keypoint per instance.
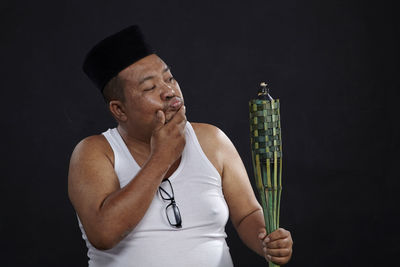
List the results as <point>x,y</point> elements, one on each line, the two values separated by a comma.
<point>333,64</point>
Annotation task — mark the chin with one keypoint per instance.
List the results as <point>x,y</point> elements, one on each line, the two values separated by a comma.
<point>169,116</point>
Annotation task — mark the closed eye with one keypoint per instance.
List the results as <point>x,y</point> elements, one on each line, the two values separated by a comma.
<point>149,89</point>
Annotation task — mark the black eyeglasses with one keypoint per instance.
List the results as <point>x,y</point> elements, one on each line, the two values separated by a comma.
<point>172,210</point>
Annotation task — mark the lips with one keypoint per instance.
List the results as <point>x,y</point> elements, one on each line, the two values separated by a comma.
<point>175,103</point>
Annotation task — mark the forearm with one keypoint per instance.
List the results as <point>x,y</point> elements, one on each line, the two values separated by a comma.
<point>123,209</point>
<point>249,229</point>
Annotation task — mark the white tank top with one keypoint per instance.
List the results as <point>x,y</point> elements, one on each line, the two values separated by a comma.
<point>154,242</point>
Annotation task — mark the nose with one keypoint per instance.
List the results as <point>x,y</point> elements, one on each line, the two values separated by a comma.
<point>167,92</point>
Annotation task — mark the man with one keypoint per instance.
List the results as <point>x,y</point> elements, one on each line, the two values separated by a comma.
<point>158,190</point>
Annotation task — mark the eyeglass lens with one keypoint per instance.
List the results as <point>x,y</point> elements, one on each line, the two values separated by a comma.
<point>172,210</point>
<point>173,215</point>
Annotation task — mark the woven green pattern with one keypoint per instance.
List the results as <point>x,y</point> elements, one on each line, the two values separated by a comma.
<point>266,146</point>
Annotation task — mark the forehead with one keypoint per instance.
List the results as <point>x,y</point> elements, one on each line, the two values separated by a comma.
<point>151,65</point>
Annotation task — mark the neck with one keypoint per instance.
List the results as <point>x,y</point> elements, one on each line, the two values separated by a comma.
<point>135,140</point>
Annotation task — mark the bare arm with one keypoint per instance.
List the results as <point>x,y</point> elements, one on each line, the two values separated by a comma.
<point>107,211</point>
<point>245,211</point>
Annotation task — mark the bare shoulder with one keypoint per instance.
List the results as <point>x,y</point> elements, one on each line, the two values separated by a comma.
<point>215,144</point>
<point>208,133</point>
<point>92,146</point>
<point>91,175</point>
<point>236,186</point>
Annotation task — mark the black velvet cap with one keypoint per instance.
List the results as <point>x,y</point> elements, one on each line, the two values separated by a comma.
<point>113,54</point>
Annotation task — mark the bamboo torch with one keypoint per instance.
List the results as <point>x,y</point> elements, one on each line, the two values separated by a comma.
<point>266,147</point>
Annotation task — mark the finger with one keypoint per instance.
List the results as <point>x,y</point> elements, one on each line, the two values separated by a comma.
<point>278,260</point>
<point>182,125</point>
<point>183,109</point>
<point>279,234</point>
<point>280,252</point>
<point>262,234</point>
<point>281,243</point>
<point>181,113</point>
<point>160,119</point>
<point>181,120</point>
<point>179,116</point>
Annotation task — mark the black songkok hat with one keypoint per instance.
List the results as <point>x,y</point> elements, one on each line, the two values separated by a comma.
<point>113,54</point>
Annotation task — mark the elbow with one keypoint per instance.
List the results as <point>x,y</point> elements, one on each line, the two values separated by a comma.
<point>102,245</point>
<point>253,215</point>
<point>103,240</point>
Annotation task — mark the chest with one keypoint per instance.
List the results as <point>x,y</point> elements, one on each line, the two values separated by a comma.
<point>199,197</point>
<point>142,158</point>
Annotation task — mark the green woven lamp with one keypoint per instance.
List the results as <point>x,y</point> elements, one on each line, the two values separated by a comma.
<point>266,147</point>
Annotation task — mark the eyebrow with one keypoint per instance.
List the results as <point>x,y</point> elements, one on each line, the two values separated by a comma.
<point>151,77</point>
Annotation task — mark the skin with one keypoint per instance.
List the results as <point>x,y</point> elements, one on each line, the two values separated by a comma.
<point>151,121</point>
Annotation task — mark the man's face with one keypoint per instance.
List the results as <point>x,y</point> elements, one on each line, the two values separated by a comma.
<point>148,87</point>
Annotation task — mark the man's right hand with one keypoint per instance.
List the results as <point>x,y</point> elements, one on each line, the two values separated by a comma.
<point>168,139</point>
<point>103,206</point>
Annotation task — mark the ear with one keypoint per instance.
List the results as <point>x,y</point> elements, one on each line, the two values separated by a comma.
<point>117,109</point>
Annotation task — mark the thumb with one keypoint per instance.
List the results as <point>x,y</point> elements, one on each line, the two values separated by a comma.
<point>262,233</point>
<point>160,118</point>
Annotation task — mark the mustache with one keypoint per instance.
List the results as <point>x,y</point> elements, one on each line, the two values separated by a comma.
<point>174,103</point>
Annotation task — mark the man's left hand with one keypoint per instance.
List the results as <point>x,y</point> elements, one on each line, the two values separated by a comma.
<point>277,246</point>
